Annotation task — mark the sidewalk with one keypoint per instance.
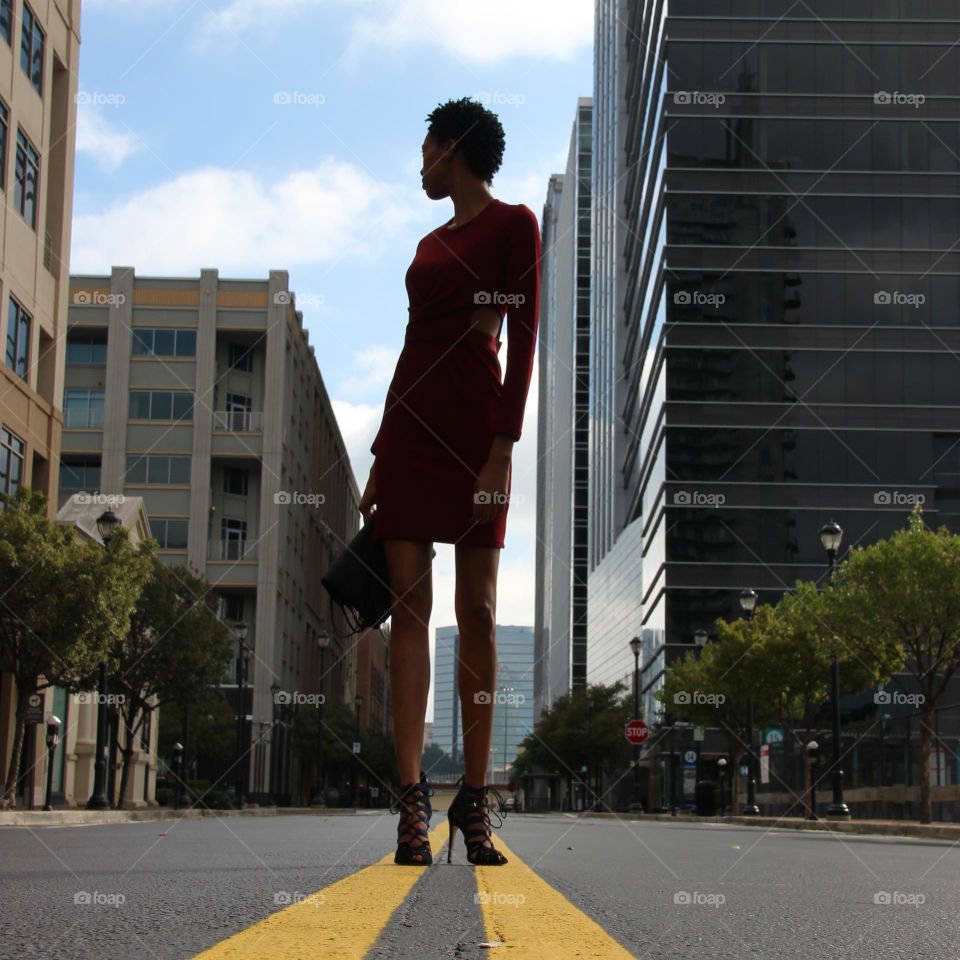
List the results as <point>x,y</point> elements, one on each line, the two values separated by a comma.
<point>77,817</point>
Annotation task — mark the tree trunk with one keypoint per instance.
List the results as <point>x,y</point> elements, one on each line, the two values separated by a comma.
<point>926,807</point>
<point>129,732</point>
<point>9,800</point>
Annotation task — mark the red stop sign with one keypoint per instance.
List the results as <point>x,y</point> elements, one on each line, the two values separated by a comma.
<point>637,731</point>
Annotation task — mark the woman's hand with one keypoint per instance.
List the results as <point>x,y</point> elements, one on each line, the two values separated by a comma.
<point>490,490</point>
<point>369,497</point>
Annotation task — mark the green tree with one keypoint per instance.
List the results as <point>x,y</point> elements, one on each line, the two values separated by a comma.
<point>436,760</point>
<point>176,649</point>
<point>64,601</point>
<point>903,593</point>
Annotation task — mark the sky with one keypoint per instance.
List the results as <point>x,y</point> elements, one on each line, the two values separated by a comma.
<point>256,135</point>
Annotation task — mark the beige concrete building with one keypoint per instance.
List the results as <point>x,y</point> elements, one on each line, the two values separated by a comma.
<point>39,65</point>
<point>203,396</point>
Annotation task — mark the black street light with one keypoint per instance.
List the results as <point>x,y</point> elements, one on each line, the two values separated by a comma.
<point>830,536</point>
<point>748,603</point>
<point>323,641</point>
<point>590,789</point>
<point>358,702</point>
<point>53,738</point>
<point>107,523</point>
<point>635,802</point>
<point>884,717</point>
<point>177,772</point>
<point>275,743</point>
<point>722,766</point>
<point>700,638</point>
<point>813,755</point>
<point>243,663</point>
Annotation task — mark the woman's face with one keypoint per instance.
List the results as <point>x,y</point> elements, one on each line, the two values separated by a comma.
<point>436,169</point>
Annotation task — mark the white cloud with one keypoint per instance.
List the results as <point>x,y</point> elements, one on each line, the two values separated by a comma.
<point>504,28</point>
<point>376,365</point>
<point>102,140</point>
<point>245,223</point>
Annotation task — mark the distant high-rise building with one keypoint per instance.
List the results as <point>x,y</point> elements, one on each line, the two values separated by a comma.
<point>560,626</point>
<point>513,696</point>
<point>203,397</point>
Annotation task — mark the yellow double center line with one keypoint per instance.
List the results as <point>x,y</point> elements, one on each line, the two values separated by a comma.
<point>342,921</point>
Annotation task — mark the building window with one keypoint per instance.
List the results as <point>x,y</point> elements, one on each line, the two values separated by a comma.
<point>80,475</point>
<point>158,469</point>
<point>170,532</point>
<point>83,408</point>
<point>18,338</point>
<point>4,136</point>
<point>86,349</point>
<point>27,176</point>
<point>235,481</point>
<point>240,357</point>
<point>6,20</point>
<point>11,461</point>
<point>164,342</point>
<point>31,49</point>
<point>231,608</point>
<point>233,538</point>
<point>161,405</point>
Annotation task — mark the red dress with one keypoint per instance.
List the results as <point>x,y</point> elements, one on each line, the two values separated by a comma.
<point>446,400</point>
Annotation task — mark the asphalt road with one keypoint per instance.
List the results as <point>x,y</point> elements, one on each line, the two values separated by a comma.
<point>575,887</point>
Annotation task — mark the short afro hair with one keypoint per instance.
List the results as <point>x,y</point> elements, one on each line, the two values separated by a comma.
<point>477,131</point>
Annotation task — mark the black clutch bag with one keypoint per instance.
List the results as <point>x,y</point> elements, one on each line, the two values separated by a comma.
<point>358,580</point>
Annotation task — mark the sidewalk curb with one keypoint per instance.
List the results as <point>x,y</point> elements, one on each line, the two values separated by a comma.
<point>64,818</point>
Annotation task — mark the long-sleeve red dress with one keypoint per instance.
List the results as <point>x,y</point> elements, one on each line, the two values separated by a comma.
<point>446,400</point>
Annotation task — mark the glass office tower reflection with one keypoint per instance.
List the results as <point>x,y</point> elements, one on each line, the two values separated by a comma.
<point>790,292</point>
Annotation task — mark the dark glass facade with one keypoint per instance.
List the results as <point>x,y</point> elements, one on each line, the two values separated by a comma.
<point>791,289</point>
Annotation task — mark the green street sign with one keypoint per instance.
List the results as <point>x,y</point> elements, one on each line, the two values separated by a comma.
<point>774,736</point>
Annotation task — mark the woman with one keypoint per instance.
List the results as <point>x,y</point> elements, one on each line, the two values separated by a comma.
<point>443,453</point>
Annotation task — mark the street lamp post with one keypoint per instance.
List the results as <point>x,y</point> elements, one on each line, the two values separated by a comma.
<point>358,702</point>
<point>243,660</point>
<point>830,536</point>
<point>590,789</point>
<point>635,801</point>
<point>813,754</point>
<point>107,523</point>
<point>177,772</point>
<point>748,603</point>
<point>700,638</point>
<point>883,753</point>
<point>504,705</point>
<point>323,641</point>
<point>53,738</point>
<point>722,765</point>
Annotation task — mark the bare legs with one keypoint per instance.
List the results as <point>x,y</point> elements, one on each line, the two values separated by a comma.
<point>476,609</point>
<point>412,587</point>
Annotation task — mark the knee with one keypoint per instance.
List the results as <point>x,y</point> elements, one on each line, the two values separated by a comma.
<point>477,614</point>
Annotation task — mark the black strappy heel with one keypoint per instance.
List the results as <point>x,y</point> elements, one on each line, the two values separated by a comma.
<point>415,810</point>
<point>470,813</point>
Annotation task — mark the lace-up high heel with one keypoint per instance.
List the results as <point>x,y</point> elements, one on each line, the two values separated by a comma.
<point>413,838</point>
<point>469,813</point>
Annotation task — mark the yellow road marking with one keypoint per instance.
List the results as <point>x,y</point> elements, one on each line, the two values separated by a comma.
<point>534,920</point>
<point>339,922</point>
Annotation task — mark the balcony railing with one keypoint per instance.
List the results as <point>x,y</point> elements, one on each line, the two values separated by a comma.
<point>231,550</point>
<point>238,421</point>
